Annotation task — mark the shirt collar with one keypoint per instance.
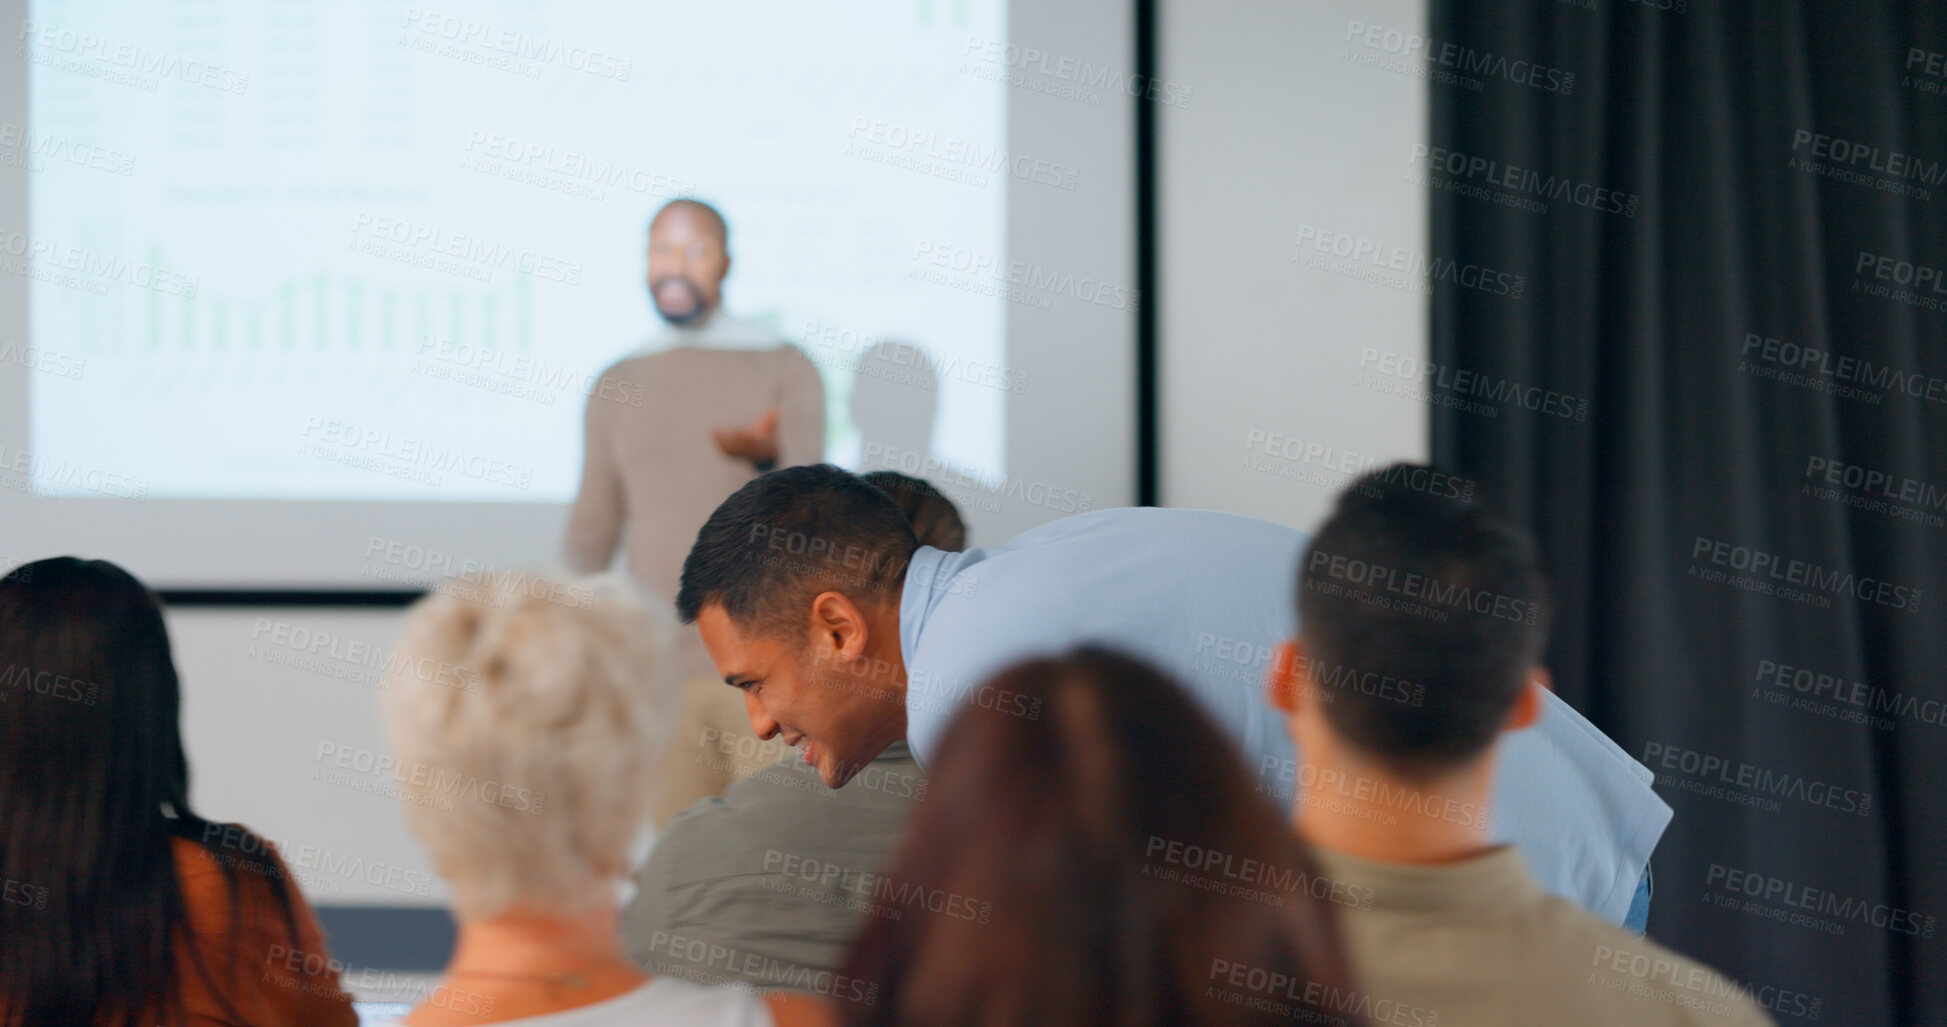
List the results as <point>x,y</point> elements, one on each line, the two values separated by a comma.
<point>916,597</point>
<point>1495,881</point>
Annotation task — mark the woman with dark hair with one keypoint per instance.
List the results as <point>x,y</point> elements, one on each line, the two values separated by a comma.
<point>121,905</point>
<point>1092,851</point>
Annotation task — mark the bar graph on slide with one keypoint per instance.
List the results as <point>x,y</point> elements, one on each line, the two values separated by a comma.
<point>323,312</point>
<point>370,251</point>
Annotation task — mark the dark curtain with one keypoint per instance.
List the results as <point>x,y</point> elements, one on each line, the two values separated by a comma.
<point>1719,397</point>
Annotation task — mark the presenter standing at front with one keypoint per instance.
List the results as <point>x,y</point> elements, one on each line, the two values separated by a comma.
<point>706,405</point>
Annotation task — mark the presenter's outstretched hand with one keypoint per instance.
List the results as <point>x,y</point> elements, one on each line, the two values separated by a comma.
<point>756,443</point>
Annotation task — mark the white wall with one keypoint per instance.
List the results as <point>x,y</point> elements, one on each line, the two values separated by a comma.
<point>1283,131</point>
<point>264,692</point>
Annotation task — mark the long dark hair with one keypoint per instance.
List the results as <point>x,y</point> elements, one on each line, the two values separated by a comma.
<point>93,787</point>
<point>1061,870</point>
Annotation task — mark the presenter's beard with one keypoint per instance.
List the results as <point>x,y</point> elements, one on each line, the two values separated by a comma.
<point>679,302</point>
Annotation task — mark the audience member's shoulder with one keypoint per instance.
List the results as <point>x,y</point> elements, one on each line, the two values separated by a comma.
<point>224,851</point>
<point>750,810</point>
<point>782,804</point>
<point>1636,981</point>
<point>234,876</point>
<point>193,860</point>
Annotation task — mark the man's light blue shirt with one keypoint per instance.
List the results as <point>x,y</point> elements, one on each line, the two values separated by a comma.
<point>1206,596</point>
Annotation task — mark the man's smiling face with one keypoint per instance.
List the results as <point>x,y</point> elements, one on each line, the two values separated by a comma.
<point>808,688</point>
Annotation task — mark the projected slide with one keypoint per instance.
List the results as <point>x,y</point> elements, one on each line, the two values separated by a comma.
<point>377,251</point>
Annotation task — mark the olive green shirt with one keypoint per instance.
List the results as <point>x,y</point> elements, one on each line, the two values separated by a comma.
<point>1479,943</point>
<point>768,883</point>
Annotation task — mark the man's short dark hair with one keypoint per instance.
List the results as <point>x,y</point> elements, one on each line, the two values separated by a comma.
<point>1422,612</point>
<point>789,535</point>
<point>935,520</point>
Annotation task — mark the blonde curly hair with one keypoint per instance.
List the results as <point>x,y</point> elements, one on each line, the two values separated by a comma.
<point>525,755</point>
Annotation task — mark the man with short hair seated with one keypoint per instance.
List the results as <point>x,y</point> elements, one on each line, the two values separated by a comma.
<point>772,877</point>
<point>1394,785</point>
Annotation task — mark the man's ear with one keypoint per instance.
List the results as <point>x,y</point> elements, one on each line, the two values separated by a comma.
<point>1527,707</point>
<point>838,627</point>
<point>1285,682</point>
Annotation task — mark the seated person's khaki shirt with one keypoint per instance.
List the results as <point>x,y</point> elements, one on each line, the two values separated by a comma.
<point>1479,943</point>
<point>768,883</point>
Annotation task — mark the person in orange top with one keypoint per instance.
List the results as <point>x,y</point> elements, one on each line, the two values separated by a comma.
<point>119,905</point>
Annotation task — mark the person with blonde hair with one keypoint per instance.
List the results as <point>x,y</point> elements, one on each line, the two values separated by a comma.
<point>527,719</point>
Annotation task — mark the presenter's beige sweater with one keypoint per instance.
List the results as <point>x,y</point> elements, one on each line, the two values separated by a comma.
<point>651,474</point>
